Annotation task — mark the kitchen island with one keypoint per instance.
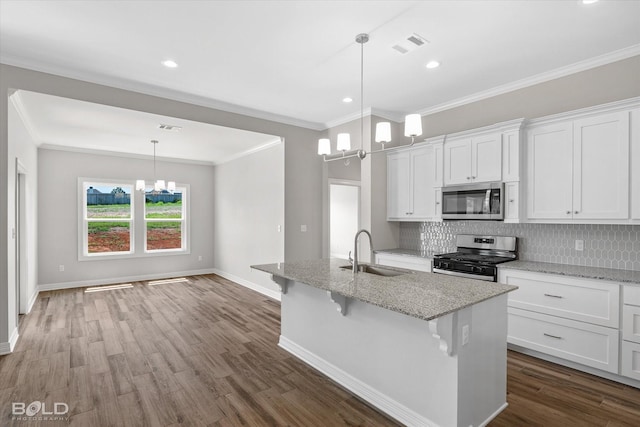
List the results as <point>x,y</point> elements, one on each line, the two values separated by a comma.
<point>427,349</point>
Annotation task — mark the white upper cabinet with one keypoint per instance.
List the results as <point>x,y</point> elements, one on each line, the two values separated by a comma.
<point>550,157</point>
<point>411,176</point>
<point>601,167</point>
<point>398,184</point>
<point>579,169</point>
<point>635,164</point>
<point>475,159</point>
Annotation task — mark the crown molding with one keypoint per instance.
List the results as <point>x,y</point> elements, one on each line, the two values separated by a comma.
<point>121,154</point>
<point>617,55</point>
<point>158,91</point>
<point>18,103</point>
<point>249,151</point>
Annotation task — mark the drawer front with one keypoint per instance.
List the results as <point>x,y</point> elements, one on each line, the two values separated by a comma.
<point>576,299</point>
<point>590,345</point>
<point>630,360</point>
<point>408,262</point>
<point>632,295</point>
<point>631,323</point>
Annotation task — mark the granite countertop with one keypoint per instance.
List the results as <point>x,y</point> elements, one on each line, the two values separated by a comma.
<point>417,294</point>
<point>408,252</point>
<point>623,276</point>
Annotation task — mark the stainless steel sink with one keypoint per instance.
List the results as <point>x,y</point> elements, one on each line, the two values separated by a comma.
<point>378,271</point>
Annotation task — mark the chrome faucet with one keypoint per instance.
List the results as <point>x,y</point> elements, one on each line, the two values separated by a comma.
<point>354,260</point>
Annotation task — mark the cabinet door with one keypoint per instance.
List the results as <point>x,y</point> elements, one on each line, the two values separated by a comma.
<point>422,183</point>
<point>550,173</point>
<point>398,178</point>
<point>486,158</point>
<point>437,197</point>
<point>511,202</point>
<point>635,164</point>
<point>601,167</point>
<point>630,360</point>
<point>457,162</point>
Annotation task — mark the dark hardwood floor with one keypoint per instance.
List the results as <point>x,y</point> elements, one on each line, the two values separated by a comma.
<point>205,353</point>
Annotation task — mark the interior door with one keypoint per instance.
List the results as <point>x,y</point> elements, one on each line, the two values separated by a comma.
<point>344,218</point>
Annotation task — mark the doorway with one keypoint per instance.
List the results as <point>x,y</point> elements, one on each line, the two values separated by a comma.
<point>22,259</point>
<point>344,216</point>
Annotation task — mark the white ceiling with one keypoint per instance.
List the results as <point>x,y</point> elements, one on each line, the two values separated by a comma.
<point>294,61</point>
<point>63,123</point>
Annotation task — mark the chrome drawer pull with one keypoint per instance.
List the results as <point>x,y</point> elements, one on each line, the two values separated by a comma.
<point>552,336</point>
<point>553,296</point>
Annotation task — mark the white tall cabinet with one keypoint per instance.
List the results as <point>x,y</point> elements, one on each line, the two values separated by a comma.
<point>578,168</point>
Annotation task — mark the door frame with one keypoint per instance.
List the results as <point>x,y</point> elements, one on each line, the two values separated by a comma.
<point>21,242</point>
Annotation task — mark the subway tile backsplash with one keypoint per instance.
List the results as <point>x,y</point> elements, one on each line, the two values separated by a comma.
<point>608,246</point>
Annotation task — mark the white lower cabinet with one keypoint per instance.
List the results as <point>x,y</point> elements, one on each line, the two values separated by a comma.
<point>580,342</point>
<point>630,347</point>
<point>630,360</point>
<point>405,261</point>
<point>570,318</point>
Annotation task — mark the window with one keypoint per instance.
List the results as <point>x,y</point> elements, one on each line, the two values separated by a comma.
<point>164,220</point>
<point>107,218</point>
<point>118,222</point>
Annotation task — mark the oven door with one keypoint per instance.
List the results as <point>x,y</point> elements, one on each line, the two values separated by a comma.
<point>477,201</point>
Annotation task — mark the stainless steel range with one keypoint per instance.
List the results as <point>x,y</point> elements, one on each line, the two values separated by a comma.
<point>477,257</point>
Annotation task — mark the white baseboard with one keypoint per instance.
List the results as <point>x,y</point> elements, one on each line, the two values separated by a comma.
<point>366,392</point>
<point>7,347</point>
<point>125,279</point>
<point>247,284</point>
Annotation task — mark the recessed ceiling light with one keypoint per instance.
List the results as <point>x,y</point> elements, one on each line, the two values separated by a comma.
<point>347,100</point>
<point>170,63</point>
<point>589,1</point>
<point>433,64</point>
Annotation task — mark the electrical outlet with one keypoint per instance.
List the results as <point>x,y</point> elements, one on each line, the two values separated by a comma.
<point>61,267</point>
<point>303,228</point>
<point>279,228</point>
<point>465,334</point>
<point>579,245</point>
<point>200,258</point>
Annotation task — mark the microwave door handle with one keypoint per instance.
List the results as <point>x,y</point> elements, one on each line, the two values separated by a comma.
<point>486,207</point>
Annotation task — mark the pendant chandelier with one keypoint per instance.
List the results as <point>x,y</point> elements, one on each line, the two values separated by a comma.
<point>158,184</point>
<point>412,126</point>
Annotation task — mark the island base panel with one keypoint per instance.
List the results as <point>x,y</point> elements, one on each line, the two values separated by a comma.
<point>394,361</point>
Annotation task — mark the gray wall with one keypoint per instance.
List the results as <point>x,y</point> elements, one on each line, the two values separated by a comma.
<point>58,217</point>
<point>248,208</point>
<point>303,171</point>
<point>608,83</point>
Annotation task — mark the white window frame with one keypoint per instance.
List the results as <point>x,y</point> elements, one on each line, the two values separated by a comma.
<point>184,248</point>
<point>137,229</point>
<point>83,244</point>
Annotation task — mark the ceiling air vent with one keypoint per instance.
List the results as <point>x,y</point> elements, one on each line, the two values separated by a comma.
<point>409,43</point>
<point>169,128</point>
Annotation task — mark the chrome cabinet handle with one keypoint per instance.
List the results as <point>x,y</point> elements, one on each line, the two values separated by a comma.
<point>568,212</point>
<point>437,203</point>
<point>553,296</point>
<point>552,336</point>
<point>511,200</point>
<point>468,177</point>
<point>473,177</point>
<point>576,212</point>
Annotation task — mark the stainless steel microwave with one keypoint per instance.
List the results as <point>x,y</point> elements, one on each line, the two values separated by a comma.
<point>474,201</point>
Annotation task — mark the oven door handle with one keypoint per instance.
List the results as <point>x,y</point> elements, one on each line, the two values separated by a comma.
<point>468,276</point>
